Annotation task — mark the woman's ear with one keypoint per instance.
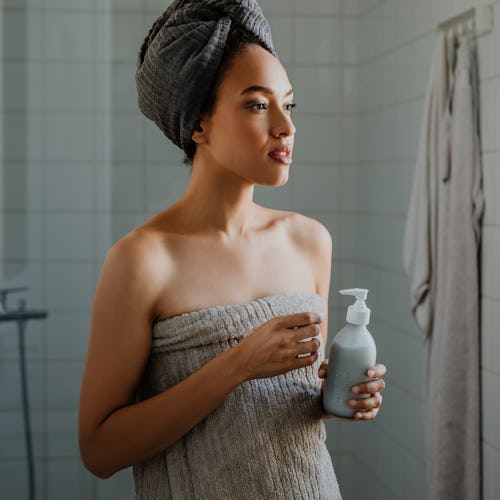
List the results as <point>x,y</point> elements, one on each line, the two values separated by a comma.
<point>200,133</point>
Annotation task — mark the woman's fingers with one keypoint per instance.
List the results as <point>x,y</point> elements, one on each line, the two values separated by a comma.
<point>310,346</point>
<point>369,387</point>
<point>323,369</point>
<point>366,415</point>
<point>376,371</point>
<point>367,408</point>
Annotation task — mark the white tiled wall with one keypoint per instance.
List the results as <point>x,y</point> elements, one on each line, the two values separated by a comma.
<point>87,167</point>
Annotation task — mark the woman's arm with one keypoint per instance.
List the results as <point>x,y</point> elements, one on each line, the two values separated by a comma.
<point>114,430</point>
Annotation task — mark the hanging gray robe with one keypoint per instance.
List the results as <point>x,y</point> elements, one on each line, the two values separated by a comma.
<point>441,249</point>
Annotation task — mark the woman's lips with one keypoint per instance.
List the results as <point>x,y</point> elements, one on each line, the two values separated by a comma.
<point>285,159</point>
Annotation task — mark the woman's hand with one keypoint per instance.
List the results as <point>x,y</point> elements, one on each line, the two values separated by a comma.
<point>274,347</point>
<point>367,407</point>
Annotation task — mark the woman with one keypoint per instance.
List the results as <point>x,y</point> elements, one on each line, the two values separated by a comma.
<point>209,321</point>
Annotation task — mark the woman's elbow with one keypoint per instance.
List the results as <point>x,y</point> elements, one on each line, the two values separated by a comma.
<point>93,461</point>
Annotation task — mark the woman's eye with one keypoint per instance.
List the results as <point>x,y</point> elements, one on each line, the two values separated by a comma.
<point>258,104</point>
<point>289,106</point>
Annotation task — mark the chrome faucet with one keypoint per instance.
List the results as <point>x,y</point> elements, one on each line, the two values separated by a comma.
<point>4,292</point>
<point>21,316</point>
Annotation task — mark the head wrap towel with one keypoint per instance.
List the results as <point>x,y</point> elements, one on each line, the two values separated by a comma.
<point>179,59</point>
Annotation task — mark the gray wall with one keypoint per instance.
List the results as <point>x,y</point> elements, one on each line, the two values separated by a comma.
<point>84,167</point>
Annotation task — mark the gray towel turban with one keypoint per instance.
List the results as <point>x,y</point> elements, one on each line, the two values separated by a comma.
<point>180,56</point>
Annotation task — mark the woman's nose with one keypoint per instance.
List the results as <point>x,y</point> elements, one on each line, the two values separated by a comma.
<point>284,125</point>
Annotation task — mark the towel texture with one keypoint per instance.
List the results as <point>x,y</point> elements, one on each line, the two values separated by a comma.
<point>265,441</point>
<point>179,59</point>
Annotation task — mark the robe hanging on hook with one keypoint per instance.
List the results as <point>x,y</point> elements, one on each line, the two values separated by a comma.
<point>479,20</point>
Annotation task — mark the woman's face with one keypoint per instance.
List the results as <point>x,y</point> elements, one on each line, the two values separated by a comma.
<point>246,124</point>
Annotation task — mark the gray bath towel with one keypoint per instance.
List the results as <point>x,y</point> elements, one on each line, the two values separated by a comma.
<point>266,441</point>
<point>179,59</point>
<point>441,258</point>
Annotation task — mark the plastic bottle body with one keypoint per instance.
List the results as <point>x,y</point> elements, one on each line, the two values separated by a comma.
<point>352,353</point>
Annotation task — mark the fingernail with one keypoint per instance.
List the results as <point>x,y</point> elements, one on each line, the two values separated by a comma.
<point>352,403</point>
<point>371,373</point>
<point>355,390</point>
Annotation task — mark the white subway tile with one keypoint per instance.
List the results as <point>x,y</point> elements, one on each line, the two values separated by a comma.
<point>63,392</point>
<point>323,7</point>
<point>274,197</point>
<point>491,477</point>
<point>156,5</point>
<point>316,90</point>
<point>117,487</point>
<point>28,274</point>
<point>14,477</point>
<point>349,40</point>
<point>62,426</point>
<point>69,137</point>
<point>27,3</point>
<point>412,19</point>
<point>69,286</point>
<point>165,184</point>
<point>67,335</point>
<point>68,478</point>
<point>494,104</point>
<point>316,139</point>
<point>282,33</point>
<point>128,186</point>
<point>129,31</point>
<point>25,186</point>
<point>124,223</point>
<point>68,35</point>
<point>490,338</point>
<point>69,86</point>
<point>157,146</point>
<point>491,407</point>
<point>488,117</point>
<point>103,34</point>
<point>316,187</point>
<point>22,86</point>
<point>277,7</point>
<point>13,437</point>
<point>69,187</point>
<point>70,236</point>
<point>119,81</point>
<point>69,4</point>
<point>22,33</point>
<point>22,136</point>
<point>127,137</point>
<point>490,173</point>
<point>34,337</point>
<point>24,236</point>
<point>490,249</point>
<point>317,40</point>
<point>377,29</point>
<point>103,235</point>
<point>10,384</point>
<point>103,138</point>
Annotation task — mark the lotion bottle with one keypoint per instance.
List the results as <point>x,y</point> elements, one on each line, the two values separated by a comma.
<point>352,353</point>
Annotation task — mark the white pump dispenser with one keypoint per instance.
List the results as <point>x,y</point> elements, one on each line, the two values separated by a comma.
<point>352,353</point>
<point>358,313</point>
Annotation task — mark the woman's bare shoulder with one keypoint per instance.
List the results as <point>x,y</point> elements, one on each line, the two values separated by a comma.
<point>141,258</point>
<point>306,231</point>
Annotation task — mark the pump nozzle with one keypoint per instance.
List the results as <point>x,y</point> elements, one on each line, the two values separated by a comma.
<point>357,313</point>
<point>359,293</point>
